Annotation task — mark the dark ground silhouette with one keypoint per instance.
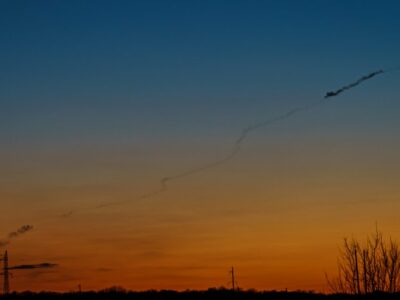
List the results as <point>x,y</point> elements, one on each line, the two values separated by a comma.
<point>211,294</point>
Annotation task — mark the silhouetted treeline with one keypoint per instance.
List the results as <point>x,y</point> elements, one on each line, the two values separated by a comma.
<point>211,294</point>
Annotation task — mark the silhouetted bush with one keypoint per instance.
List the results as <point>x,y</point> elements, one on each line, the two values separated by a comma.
<point>371,267</point>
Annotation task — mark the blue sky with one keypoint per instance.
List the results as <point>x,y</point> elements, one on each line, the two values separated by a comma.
<point>104,67</point>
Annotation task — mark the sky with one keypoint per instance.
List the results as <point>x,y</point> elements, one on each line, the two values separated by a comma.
<point>100,100</point>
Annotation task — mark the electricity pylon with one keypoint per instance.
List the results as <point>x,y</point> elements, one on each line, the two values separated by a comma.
<point>6,282</point>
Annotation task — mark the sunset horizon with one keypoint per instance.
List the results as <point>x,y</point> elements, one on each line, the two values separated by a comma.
<point>156,145</point>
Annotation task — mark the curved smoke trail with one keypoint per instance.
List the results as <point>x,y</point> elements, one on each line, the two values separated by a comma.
<point>236,147</point>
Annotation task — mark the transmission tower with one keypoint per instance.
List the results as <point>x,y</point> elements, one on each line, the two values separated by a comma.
<point>6,285</point>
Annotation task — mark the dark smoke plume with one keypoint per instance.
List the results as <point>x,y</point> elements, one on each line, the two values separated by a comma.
<point>19,231</point>
<point>14,234</point>
<point>35,266</point>
<point>241,138</point>
<point>352,85</point>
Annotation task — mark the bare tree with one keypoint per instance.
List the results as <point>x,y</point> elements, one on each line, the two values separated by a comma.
<point>367,268</point>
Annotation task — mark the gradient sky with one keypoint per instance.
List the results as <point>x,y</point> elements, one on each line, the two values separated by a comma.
<point>99,100</point>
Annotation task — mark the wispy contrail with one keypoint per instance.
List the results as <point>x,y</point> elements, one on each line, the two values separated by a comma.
<point>14,234</point>
<point>35,266</point>
<point>241,138</point>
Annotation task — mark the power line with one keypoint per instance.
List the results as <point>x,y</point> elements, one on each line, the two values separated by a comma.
<point>233,279</point>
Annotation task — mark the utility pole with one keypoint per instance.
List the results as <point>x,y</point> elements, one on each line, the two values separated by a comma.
<point>6,286</point>
<point>233,278</point>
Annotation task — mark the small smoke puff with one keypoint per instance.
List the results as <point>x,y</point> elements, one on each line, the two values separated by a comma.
<point>14,234</point>
<point>19,231</point>
<point>4,243</point>
<point>67,214</point>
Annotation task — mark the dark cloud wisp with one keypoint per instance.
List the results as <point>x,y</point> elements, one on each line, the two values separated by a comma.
<point>33,266</point>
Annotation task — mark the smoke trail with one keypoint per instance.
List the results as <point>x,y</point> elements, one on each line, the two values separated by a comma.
<point>14,234</point>
<point>19,231</point>
<point>247,130</point>
<point>36,266</point>
<point>352,85</point>
<point>241,138</point>
<point>236,147</point>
